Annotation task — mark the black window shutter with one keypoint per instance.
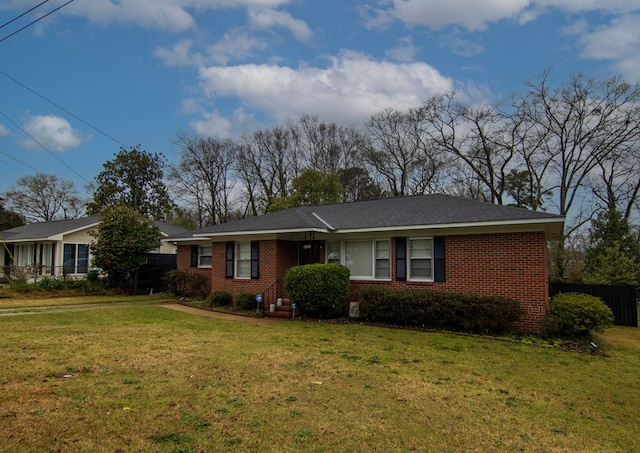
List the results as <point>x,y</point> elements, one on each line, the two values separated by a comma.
<point>229,259</point>
<point>255,263</point>
<point>194,255</point>
<point>439,268</point>
<point>401,259</point>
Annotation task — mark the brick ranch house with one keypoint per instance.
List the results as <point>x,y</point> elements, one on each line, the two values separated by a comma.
<point>433,242</point>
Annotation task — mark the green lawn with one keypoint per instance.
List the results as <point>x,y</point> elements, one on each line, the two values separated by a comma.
<point>147,378</point>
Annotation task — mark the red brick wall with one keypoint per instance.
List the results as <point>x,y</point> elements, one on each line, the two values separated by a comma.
<point>184,263</point>
<point>275,257</point>
<point>512,265</point>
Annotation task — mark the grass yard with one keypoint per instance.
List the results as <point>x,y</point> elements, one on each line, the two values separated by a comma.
<point>145,378</point>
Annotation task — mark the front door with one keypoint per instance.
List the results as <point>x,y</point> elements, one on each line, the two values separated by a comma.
<point>309,252</point>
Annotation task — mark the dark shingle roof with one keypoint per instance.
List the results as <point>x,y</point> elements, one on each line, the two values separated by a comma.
<point>402,212</point>
<point>47,230</point>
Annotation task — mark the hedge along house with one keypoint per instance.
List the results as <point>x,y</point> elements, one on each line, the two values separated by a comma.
<point>432,242</point>
<point>57,248</point>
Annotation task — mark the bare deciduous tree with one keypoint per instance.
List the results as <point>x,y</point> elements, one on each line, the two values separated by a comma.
<point>43,198</point>
<point>203,177</point>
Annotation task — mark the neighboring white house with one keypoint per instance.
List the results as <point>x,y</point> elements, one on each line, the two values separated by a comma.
<point>59,247</point>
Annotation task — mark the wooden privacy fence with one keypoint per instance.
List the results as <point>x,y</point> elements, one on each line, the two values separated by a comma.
<point>623,300</point>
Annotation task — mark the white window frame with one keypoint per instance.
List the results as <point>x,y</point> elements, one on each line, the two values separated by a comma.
<point>410,259</point>
<point>374,258</point>
<point>237,260</point>
<point>202,253</point>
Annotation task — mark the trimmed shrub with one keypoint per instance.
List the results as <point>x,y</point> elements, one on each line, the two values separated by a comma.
<point>246,301</point>
<point>188,284</point>
<point>219,299</point>
<point>319,290</point>
<point>440,310</point>
<point>577,315</point>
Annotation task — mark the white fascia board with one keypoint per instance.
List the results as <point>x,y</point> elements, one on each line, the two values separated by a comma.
<point>259,232</point>
<point>15,241</point>
<point>443,226</point>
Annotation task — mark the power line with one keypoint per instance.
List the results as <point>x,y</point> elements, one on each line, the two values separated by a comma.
<point>23,14</point>
<point>46,149</point>
<point>63,109</point>
<point>35,21</point>
<point>11,166</point>
<point>19,161</point>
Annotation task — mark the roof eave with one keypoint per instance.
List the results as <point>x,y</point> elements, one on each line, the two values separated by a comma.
<point>462,225</point>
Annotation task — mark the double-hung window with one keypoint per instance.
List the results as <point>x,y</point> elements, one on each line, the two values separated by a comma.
<point>420,259</point>
<point>243,260</point>
<point>366,259</point>
<point>204,256</point>
<point>382,260</point>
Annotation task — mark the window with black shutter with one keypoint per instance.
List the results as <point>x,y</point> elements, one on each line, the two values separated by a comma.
<point>229,259</point>
<point>255,259</point>
<point>439,268</point>
<point>194,256</point>
<point>401,259</point>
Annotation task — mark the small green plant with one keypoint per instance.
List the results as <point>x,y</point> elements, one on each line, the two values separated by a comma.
<point>246,301</point>
<point>577,315</point>
<point>219,299</point>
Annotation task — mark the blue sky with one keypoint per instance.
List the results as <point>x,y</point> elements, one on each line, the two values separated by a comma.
<point>126,72</point>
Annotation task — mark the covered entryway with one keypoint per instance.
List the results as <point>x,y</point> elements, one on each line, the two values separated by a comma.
<point>310,252</point>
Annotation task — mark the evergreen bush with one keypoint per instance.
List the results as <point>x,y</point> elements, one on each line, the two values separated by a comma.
<point>318,290</point>
<point>440,310</point>
<point>220,299</point>
<point>577,315</point>
<point>246,301</point>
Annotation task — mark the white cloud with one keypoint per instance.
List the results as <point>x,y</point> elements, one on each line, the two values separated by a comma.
<point>3,130</point>
<point>618,42</point>
<point>178,55</point>
<point>349,90</point>
<point>460,45</point>
<point>574,6</point>
<point>234,45</point>
<point>471,15</point>
<point>478,14</point>
<point>213,124</point>
<point>405,51</point>
<point>53,132</point>
<point>169,15</point>
<point>270,18</point>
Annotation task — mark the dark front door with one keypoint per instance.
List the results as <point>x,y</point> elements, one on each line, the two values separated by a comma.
<point>309,252</point>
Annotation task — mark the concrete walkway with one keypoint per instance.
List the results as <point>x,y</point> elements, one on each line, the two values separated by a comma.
<point>219,315</point>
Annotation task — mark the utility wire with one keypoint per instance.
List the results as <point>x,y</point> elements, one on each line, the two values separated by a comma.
<point>46,149</point>
<point>23,14</point>
<point>62,108</point>
<point>11,166</point>
<point>35,21</point>
<point>20,162</point>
